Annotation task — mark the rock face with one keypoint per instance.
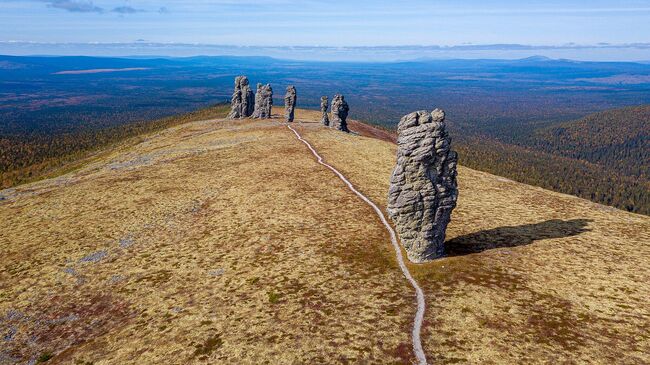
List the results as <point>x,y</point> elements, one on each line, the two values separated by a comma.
<point>263,101</point>
<point>242,99</point>
<point>340,111</point>
<point>423,189</point>
<point>290,103</point>
<point>324,105</point>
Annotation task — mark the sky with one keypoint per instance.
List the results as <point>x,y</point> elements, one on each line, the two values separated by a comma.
<point>334,23</point>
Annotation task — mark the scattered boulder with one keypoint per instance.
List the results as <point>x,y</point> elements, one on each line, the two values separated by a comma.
<point>340,111</point>
<point>241,105</point>
<point>290,103</point>
<point>324,105</point>
<point>423,189</point>
<point>263,101</point>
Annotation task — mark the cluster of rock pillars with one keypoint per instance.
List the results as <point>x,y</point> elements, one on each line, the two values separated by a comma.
<point>423,189</point>
<point>259,106</point>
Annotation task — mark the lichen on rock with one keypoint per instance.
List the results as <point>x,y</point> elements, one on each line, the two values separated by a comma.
<point>423,189</point>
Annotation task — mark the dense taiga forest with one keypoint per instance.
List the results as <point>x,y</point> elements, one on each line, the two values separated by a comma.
<point>603,157</point>
<point>550,123</point>
<point>617,140</point>
<point>28,157</point>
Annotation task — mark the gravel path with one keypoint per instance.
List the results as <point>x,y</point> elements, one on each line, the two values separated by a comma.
<point>419,315</point>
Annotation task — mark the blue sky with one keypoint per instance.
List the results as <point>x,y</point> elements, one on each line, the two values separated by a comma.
<point>327,23</point>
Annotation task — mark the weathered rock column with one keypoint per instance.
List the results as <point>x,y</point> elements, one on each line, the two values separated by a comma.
<point>248,98</point>
<point>340,111</point>
<point>423,189</point>
<point>290,103</point>
<point>263,101</point>
<point>241,104</point>
<point>324,105</point>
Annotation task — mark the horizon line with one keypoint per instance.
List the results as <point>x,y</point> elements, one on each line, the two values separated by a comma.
<point>598,52</point>
<point>495,46</point>
<point>406,60</point>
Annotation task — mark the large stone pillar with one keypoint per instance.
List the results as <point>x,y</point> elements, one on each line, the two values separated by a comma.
<point>241,104</point>
<point>263,102</point>
<point>340,111</point>
<point>423,189</point>
<point>324,105</point>
<point>290,103</point>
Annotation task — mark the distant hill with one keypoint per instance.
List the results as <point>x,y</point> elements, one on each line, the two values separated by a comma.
<point>615,139</point>
<point>603,157</point>
<point>551,171</point>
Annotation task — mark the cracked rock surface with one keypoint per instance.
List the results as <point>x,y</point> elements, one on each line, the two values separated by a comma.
<point>324,105</point>
<point>263,101</point>
<point>242,100</point>
<point>290,103</point>
<point>423,189</point>
<point>340,111</point>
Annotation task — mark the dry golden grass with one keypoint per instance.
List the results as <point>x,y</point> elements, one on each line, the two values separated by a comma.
<point>225,242</point>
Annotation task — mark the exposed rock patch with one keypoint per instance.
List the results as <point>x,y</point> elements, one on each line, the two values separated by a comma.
<point>324,105</point>
<point>263,101</point>
<point>340,111</point>
<point>241,104</point>
<point>423,189</point>
<point>290,103</point>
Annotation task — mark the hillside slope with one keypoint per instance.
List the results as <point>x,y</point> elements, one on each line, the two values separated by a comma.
<point>617,140</point>
<point>603,157</point>
<point>225,242</point>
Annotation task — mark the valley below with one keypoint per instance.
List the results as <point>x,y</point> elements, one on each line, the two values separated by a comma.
<point>223,242</point>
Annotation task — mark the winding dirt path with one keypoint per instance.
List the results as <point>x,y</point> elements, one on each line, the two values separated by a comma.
<point>419,314</point>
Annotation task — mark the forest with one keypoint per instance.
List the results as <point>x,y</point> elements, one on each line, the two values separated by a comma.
<point>617,140</point>
<point>603,157</point>
<point>561,174</point>
<point>29,157</point>
<point>563,125</point>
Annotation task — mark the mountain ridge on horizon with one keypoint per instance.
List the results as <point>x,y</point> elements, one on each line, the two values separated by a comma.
<point>153,57</point>
<point>640,51</point>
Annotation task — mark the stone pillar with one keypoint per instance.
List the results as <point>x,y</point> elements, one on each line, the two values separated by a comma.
<point>340,111</point>
<point>241,104</point>
<point>423,189</point>
<point>324,105</point>
<point>248,98</point>
<point>263,102</point>
<point>290,103</point>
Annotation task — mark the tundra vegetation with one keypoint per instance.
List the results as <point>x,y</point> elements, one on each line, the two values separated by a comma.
<point>224,241</point>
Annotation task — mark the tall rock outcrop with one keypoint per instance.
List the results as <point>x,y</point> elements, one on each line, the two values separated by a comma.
<point>241,104</point>
<point>263,101</point>
<point>340,111</point>
<point>324,105</point>
<point>290,103</point>
<point>423,189</point>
